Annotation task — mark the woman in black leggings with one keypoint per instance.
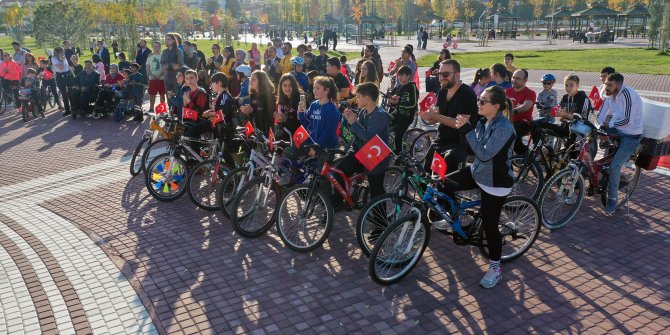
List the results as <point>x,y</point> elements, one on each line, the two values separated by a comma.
<point>492,141</point>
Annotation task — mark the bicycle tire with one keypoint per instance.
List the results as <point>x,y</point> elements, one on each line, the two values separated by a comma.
<point>203,186</point>
<point>630,186</point>
<point>25,110</point>
<point>518,214</point>
<point>551,207</point>
<point>245,222</point>
<point>3,107</point>
<point>374,218</point>
<point>161,188</point>
<point>527,172</point>
<point>409,137</point>
<point>136,160</point>
<point>155,149</point>
<point>383,262</point>
<point>230,185</point>
<point>320,226</point>
<point>422,143</point>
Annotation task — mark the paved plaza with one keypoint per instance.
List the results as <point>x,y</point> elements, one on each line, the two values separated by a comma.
<point>84,248</point>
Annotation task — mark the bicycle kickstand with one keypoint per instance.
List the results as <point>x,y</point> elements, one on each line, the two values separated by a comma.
<point>627,204</point>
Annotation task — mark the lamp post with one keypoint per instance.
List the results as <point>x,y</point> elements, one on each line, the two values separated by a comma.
<point>479,29</point>
<point>552,37</point>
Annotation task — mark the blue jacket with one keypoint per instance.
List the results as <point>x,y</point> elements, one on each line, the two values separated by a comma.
<point>366,127</point>
<point>302,80</point>
<point>321,123</point>
<point>492,147</point>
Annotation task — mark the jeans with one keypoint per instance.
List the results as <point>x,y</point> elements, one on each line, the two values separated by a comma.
<point>627,146</point>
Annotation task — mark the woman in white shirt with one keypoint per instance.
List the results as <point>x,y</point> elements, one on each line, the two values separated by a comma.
<point>64,76</point>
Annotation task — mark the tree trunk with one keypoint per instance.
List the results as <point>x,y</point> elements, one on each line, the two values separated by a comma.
<point>665,30</point>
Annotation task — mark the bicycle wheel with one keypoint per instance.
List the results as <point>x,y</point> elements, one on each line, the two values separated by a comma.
<point>203,184</point>
<point>422,143</point>
<point>166,177</point>
<point>3,102</point>
<point>519,226</point>
<point>136,160</point>
<point>561,198</point>
<point>230,186</point>
<point>630,175</point>
<point>409,137</point>
<point>378,214</point>
<point>25,110</point>
<point>305,218</point>
<point>528,177</point>
<point>398,250</point>
<point>254,207</point>
<point>155,149</point>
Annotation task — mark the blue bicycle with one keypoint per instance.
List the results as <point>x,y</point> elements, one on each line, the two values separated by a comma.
<point>400,247</point>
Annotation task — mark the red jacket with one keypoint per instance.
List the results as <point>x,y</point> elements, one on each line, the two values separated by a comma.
<point>10,70</point>
<point>111,81</point>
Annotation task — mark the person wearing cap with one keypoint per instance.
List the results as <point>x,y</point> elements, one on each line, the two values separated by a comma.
<point>405,59</point>
<point>243,73</point>
<point>298,64</point>
<point>285,63</point>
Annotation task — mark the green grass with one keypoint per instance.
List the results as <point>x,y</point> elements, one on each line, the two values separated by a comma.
<point>627,60</point>
<point>203,44</point>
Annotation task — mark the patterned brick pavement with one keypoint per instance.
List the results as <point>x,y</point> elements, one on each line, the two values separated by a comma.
<point>129,263</point>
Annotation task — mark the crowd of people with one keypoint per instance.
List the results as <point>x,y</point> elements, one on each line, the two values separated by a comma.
<point>289,87</point>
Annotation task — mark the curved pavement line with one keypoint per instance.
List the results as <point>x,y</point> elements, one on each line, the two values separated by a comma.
<point>45,292</point>
<point>19,313</point>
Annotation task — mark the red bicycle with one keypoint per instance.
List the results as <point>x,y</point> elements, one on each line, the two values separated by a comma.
<point>305,216</point>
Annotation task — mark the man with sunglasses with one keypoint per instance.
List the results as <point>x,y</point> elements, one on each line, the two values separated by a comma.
<point>524,101</point>
<point>453,99</point>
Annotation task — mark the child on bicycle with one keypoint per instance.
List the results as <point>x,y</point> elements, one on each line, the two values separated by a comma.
<point>225,129</point>
<point>32,82</point>
<point>48,81</point>
<point>136,89</point>
<point>548,98</point>
<point>405,97</point>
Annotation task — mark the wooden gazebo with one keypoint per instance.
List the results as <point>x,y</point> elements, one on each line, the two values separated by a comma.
<point>596,23</point>
<point>428,17</point>
<point>559,21</point>
<point>633,21</point>
<point>504,23</point>
<point>366,27</point>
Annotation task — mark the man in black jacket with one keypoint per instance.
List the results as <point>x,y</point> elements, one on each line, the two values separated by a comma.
<point>85,89</point>
<point>103,52</point>
<point>142,55</point>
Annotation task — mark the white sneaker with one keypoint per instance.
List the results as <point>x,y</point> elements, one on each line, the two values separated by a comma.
<point>491,278</point>
<point>441,225</point>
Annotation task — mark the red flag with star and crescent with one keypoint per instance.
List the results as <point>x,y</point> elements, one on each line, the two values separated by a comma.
<point>218,117</point>
<point>595,97</point>
<point>248,129</point>
<point>373,153</point>
<point>189,114</point>
<point>161,108</point>
<point>300,136</point>
<point>438,165</point>
<point>429,101</point>
<point>271,138</point>
<point>391,66</point>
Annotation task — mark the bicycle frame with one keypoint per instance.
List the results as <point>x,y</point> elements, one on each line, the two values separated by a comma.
<point>328,172</point>
<point>586,162</point>
<point>429,199</point>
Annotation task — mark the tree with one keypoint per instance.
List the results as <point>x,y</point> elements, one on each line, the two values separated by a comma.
<point>13,17</point>
<point>61,20</point>
<point>233,6</point>
<point>537,12</point>
<point>357,11</point>
<point>656,12</point>
<point>212,6</point>
<point>665,30</point>
<point>468,12</point>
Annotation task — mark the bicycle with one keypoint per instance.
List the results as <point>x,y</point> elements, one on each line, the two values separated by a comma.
<point>402,244</point>
<point>204,179</point>
<point>566,187</point>
<point>166,175</point>
<point>305,216</point>
<point>161,128</point>
<point>27,104</point>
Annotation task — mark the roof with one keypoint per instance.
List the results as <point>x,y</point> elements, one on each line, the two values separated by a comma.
<point>563,11</point>
<point>366,19</point>
<point>636,10</point>
<point>429,16</point>
<point>503,14</point>
<point>328,18</point>
<point>597,8</point>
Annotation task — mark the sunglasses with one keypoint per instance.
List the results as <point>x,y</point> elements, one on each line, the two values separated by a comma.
<point>546,83</point>
<point>483,101</point>
<point>444,74</point>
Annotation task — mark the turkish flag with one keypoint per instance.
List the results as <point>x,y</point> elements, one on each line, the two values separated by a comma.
<point>595,98</point>
<point>40,58</point>
<point>429,101</point>
<point>373,153</point>
<point>554,110</point>
<point>271,138</point>
<point>248,129</point>
<point>428,73</point>
<point>391,66</point>
<point>300,136</point>
<point>218,117</point>
<point>439,165</point>
<point>161,108</point>
<point>337,131</point>
<point>189,114</point>
<point>47,75</point>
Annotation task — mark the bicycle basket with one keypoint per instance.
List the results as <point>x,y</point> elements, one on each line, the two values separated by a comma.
<point>24,93</point>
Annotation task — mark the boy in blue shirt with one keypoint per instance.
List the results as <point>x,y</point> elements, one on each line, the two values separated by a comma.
<point>298,67</point>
